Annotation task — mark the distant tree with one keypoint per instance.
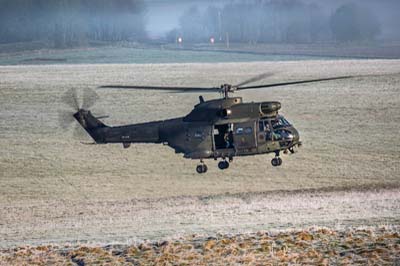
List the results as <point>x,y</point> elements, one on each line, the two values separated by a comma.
<point>212,21</point>
<point>115,20</point>
<point>69,23</point>
<point>353,23</point>
<point>278,21</point>
<point>191,25</point>
<point>318,24</point>
<point>70,27</point>
<point>172,35</point>
<point>297,22</point>
<point>270,21</point>
<point>233,21</point>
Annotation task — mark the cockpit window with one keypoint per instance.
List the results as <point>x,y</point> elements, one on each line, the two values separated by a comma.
<point>264,125</point>
<point>280,122</point>
<point>282,134</point>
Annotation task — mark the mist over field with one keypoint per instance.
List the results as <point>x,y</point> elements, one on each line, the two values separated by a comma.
<point>281,21</point>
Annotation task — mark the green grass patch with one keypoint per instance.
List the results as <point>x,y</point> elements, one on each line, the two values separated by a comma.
<point>121,55</point>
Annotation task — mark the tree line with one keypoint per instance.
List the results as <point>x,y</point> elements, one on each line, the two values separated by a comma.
<point>67,23</point>
<point>277,21</point>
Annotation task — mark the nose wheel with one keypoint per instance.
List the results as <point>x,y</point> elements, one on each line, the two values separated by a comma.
<point>277,161</point>
<point>201,168</point>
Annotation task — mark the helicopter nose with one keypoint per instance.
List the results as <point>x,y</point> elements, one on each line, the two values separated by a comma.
<point>295,134</point>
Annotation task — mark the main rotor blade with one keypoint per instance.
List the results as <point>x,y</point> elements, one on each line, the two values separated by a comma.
<point>180,89</point>
<point>292,83</point>
<point>254,79</point>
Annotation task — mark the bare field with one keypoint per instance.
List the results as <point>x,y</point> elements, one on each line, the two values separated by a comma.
<point>54,189</point>
<point>135,220</point>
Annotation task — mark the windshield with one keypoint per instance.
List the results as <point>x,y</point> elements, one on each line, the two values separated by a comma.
<point>282,134</point>
<point>280,121</point>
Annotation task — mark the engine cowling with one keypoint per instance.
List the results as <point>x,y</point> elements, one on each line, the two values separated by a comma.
<point>269,107</point>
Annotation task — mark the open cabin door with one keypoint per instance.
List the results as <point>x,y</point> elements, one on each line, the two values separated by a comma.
<point>244,137</point>
<point>223,137</point>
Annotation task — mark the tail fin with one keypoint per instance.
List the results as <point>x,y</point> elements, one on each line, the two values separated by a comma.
<point>91,124</point>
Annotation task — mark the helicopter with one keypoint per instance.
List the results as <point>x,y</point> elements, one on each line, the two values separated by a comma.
<point>225,127</point>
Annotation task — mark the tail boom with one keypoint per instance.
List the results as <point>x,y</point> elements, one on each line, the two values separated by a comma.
<point>102,134</point>
<point>91,124</point>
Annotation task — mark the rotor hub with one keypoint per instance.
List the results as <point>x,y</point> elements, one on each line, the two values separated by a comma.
<point>226,89</point>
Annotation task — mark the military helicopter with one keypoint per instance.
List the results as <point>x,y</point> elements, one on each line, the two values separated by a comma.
<point>222,128</point>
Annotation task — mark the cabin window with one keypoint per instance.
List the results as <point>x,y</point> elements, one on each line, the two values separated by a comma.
<point>261,125</point>
<point>248,130</point>
<point>198,134</point>
<point>239,131</point>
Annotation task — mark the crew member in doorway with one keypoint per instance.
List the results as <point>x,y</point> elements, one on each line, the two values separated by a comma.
<point>228,137</point>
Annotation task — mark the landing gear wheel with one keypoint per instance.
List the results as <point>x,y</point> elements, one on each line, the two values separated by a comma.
<point>223,165</point>
<point>201,168</point>
<point>276,161</point>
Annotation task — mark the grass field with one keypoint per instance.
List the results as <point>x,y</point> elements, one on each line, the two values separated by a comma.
<point>126,55</point>
<point>53,189</point>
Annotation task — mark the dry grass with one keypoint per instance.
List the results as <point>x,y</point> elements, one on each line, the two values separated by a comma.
<point>314,246</point>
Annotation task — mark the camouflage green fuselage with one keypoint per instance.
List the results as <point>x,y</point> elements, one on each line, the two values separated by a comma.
<point>216,128</point>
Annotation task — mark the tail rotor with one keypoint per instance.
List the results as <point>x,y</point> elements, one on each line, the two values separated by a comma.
<point>74,102</point>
